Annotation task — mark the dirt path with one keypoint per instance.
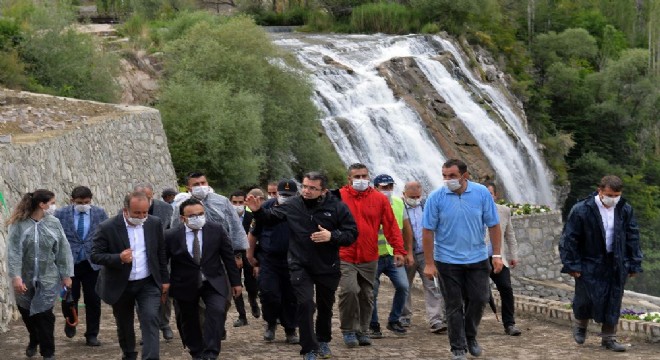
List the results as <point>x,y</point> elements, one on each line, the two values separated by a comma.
<point>540,340</point>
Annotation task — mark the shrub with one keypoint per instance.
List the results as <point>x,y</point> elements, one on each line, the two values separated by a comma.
<point>390,18</point>
<point>12,70</point>
<point>430,28</point>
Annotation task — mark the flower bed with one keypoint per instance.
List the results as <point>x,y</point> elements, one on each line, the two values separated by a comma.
<point>525,209</point>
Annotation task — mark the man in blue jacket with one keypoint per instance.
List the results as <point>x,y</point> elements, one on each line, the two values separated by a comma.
<point>79,221</point>
<point>600,248</point>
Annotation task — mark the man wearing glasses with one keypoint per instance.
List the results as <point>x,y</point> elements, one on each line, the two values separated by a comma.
<point>319,224</point>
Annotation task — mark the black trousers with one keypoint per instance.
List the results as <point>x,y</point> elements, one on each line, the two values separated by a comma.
<point>41,328</point>
<point>275,292</point>
<point>251,287</point>
<point>85,278</point>
<point>203,340</point>
<point>465,290</point>
<point>304,284</point>
<point>502,281</point>
<point>146,294</point>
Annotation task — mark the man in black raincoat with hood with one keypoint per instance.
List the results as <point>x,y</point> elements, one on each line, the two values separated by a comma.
<point>600,248</point>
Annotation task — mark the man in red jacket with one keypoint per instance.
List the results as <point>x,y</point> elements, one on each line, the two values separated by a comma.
<point>359,262</point>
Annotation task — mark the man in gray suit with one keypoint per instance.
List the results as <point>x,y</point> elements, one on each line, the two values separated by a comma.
<point>131,248</point>
<point>163,211</point>
<point>79,222</point>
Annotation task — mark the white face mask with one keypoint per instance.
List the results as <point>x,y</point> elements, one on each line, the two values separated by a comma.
<point>196,222</point>
<point>610,201</point>
<point>282,199</point>
<point>201,191</point>
<point>82,208</point>
<point>240,209</point>
<point>360,184</point>
<point>413,202</point>
<point>51,209</point>
<point>387,193</point>
<point>453,184</point>
<point>136,221</point>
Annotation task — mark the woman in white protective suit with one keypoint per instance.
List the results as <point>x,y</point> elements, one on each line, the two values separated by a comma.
<point>40,262</point>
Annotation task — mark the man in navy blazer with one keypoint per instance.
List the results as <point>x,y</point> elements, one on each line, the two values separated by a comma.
<point>131,248</point>
<point>202,264</point>
<point>79,221</point>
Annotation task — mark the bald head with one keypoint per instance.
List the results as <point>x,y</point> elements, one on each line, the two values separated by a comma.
<point>412,186</point>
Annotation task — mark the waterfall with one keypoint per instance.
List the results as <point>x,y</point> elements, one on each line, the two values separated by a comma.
<point>367,123</point>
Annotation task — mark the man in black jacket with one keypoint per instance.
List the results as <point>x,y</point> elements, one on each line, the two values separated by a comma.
<point>131,249</point>
<point>600,248</point>
<point>319,223</point>
<point>202,263</point>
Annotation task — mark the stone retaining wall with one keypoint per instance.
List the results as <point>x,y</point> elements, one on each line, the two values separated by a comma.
<point>108,153</point>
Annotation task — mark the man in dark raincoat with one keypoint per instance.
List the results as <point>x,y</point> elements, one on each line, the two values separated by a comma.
<point>600,248</point>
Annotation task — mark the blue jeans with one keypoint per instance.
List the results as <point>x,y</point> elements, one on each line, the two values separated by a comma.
<point>399,279</point>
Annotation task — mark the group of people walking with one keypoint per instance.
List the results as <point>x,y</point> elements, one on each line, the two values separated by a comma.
<point>296,248</point>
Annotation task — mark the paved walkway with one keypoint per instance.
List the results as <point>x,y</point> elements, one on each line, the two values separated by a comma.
<point>540,340</point>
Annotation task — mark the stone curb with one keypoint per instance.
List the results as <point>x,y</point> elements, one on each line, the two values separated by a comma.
<point>556,311</point>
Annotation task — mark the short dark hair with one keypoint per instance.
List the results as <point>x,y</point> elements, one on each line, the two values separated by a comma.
<point>134,195</point>
<point>237,193</point>
<point>491,184</point>
<point>356,166</point>
<point>316,175</point>
<point>81,192</point>
<point>194,175</point>
<point>611,181</point>
<point>188,202</point>
<point>462,167</point>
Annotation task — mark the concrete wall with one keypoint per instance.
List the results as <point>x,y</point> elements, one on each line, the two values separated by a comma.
<point>108,153</point>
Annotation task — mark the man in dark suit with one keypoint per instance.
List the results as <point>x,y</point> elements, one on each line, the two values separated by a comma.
<point>131,248</point>
<point>79,221</point>
<point>194,249</point>
<point>163,211</point>
<point>237,199</point>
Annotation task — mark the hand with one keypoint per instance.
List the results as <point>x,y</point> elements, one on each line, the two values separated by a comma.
<point>575,274</point>
<point>67,282</point>
<point>322,235</point>
<point>126,256</point>
<point>410,260</point>
<point>239,262</point>
<point>19,286</point>
<point>254,202</point>
<point>252,260</point>
<point>236,291</point>
<point>398,260</point>
<point>255,271</point>
<point>513,263</point>
<point>166,290</point>
<point>430,270</point>
<point>497,265</point>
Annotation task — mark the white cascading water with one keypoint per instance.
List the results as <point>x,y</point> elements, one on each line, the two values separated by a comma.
<point>368,124</point>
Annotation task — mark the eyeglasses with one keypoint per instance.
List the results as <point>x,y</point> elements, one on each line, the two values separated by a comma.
<point>310,188</point>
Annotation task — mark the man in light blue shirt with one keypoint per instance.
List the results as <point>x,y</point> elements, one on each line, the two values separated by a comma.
<point>454,249</point>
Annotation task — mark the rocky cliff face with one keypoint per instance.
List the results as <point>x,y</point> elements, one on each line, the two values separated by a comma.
<point>408,83</point>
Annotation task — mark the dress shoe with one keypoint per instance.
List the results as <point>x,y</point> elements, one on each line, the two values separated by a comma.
<point>458,355</point>
<point>269,333</point>
<point>69,331</point>
<point>512,330</point>
<point>31,350</point>
<point>92,341</point>
<point>254,306</point>
<point>240,322</point>
<point>438,328</point>
<point>473,347</point>
<point>579,334</point>
<point>168,334</point>
<point>612,344</point>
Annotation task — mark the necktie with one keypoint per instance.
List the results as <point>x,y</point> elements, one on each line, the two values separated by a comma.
<point>81,235</point>
<point>81,225</point>
<point>197,256</point>
<point>196,251</point>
